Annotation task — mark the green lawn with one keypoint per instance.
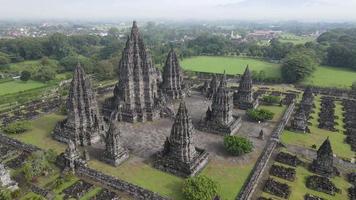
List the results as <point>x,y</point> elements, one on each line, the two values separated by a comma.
<point>277,110</point>
<point>232,65</point>
<point>231,177</point>
<point>29,65</point>
<point>299,189</point>
<point>295,39</point>
<point>40,133</point>
<point>16,86</point>
<point>317,135</point>
<point>325,76</point>
<point>142,174</point>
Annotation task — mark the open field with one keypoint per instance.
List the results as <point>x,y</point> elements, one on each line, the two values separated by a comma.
<point>317,135</point>
<point>40,133</point>
<point>232,65</point>
<point>29,65</point>
<point>15,86</point>
<point>295,39</point>
<point>325,76</point>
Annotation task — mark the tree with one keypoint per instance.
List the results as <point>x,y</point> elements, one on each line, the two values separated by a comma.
<point>104,70</point>
<point>44,74</point>
<point>5,194</point>
<point>259,115</point>
<point>36,165</point>
<point>200,187</point>
<point>70,62</point>
<point>58,46</point>
<point>25,75</point>
<point>4,58</point>
<point>237,145</point>
<point>298,65</point>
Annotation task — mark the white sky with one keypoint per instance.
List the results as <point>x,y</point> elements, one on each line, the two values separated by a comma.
<point>312,10</point>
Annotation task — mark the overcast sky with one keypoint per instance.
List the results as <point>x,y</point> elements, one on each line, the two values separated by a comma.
<point>311,10</point>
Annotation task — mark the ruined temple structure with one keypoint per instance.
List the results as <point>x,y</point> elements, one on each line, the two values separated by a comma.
<point>243,98</point>
<point>213,87</point>
<point>323,164</point>
<point>180,156</point>
<point>307,102</point>
<point>5,179</point>
<point>83,124</point>
<point>173,84</point>
<point>136,96</point>
<point>300,121</point>
<point>115,153</point>
<point>219,118</point>
<point>71,157</point>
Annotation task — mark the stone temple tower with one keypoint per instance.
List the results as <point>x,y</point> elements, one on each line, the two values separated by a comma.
<point>179,155</point>
<point>135,98</point>
<point>83,124</point>
<point>323,164</point>
<point>243,98</point>
<point>173,84</point>
<point>115,153</point>
<point>213,87</point>
<point>220,119</point>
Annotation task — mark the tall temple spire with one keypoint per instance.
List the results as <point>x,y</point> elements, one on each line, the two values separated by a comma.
<point>83,124</point>
<point>115,153</point>
<point>179,155</point>
<point>222,103</point>
<point>243,98</point>
<point>136,93</point>
<point>173,77</point>
<point>220,118</point>
<point>213,87</point>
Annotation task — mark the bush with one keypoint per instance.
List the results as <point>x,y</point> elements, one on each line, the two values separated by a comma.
<point>25,75</point>
<point>44,74</point>
<point>260,115</point>
<point>200,187</point>
<point>17,127</point>
<point>269,99</point>
<point>237,145</point>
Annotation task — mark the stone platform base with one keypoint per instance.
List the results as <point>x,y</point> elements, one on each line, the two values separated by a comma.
<point>221,129</point>
<point>181,169</point>
<point>118,160</point>
<point>324,172</point>
<point>62,133</point>
<point>247,105</point>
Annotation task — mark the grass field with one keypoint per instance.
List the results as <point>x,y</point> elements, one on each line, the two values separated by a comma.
<point>299,189</point>
<point>317,135</point>
<point>232,65</point>
<point>230,177</point>
<point>29,65</point>
<point>325,76</point>
<point>15,86</point>
<point>40,133</point>
<point>295,39</point>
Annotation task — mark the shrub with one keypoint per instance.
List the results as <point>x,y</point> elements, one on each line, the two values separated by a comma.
<point>237,145</point>
<point>17,127</point>
<point>200,187</point>
<point>260,114</point>
<point>269,99</point>
<point>25,75</point>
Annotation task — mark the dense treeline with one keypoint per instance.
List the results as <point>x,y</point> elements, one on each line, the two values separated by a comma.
<point>100,55</point>
<point>96,54</point>
<point>341,51</point>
